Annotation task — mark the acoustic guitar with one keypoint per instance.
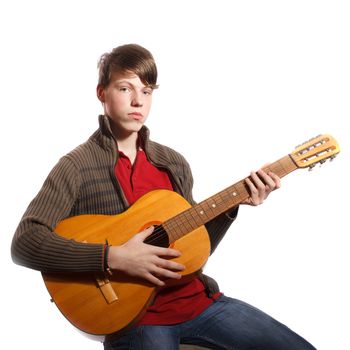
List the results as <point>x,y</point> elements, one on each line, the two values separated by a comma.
<point>102,304</point>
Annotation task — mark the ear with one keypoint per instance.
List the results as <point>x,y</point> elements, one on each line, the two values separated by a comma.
<point>100,92</point>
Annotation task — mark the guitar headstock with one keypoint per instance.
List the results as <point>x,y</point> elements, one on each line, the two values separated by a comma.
<point>316,150</point>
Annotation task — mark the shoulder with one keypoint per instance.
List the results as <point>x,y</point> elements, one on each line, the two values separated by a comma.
<point>89,153</point>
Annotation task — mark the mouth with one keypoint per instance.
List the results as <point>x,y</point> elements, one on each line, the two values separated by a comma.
<point>135,115</point>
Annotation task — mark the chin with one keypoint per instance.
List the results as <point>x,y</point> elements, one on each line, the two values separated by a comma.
<point>135,127</point>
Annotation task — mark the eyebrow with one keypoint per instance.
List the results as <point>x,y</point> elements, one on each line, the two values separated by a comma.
<point>133,85</point>
<point>122,82</point>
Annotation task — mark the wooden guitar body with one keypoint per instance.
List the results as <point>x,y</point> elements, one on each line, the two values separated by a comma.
<point>101,304</point>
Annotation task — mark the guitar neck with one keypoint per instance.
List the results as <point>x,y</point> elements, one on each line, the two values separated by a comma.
<point>203,212</point>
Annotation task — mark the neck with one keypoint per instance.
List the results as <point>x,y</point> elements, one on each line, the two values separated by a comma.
<point>127,144</point>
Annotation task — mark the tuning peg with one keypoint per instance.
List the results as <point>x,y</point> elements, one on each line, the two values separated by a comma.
<point>311,167</point>
<point>332,157</point>
<point>322,161</point>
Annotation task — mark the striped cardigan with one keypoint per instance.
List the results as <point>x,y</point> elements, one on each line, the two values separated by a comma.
<point>84,182</point>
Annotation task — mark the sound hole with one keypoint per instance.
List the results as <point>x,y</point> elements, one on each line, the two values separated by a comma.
<point>159,237</point>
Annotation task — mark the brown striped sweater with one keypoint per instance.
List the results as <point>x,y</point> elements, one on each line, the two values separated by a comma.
<point>84,182</point>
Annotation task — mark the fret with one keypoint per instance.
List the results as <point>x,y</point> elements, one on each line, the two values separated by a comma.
<point>195,217</point>
<point>189,222</point>
<point>282,167</point>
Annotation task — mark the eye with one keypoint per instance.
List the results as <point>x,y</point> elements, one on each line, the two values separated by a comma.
<point>124,89</point>
<point>148,92</point>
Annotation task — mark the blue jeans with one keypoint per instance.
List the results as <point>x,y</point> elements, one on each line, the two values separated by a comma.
<point>226,324</point>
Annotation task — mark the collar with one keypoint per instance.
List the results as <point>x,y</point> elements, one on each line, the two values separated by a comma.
<point>153,151</point>
<point>104,135</point>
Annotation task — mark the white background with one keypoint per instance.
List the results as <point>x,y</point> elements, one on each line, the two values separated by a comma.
<point>241,84</point>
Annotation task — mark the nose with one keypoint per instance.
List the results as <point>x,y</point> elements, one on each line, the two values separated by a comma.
<point>137,99</point>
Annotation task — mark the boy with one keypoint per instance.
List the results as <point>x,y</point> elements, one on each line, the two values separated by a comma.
<point>107,174</point>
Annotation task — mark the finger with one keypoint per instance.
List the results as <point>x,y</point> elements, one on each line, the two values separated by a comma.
<point>154,280</point>
<point>253,192</point>
<point>267,180</point>
<point>165,252</point>
<point>165,274</point>
<point>258,182</point>
<point>252,189</point>
<point>276,179</point>
<point>144,234</point>
<point>170,265</point>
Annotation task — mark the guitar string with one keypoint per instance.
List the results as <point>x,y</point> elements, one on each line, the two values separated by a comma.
<point>159,231</point>
<point>157,234</point>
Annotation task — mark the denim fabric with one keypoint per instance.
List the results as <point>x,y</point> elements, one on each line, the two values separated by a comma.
<point>226,324</point>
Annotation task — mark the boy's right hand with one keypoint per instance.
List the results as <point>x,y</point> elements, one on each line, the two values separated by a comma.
<point>149,262</point>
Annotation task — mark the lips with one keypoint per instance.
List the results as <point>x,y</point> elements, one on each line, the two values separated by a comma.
<point>135,115</point>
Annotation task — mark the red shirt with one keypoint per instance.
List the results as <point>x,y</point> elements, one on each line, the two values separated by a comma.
<point>171,305</point>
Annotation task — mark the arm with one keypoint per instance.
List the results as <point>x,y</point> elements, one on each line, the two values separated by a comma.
<point>35,245</point>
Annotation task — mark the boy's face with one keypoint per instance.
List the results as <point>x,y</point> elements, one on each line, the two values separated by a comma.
<point>127,101</point>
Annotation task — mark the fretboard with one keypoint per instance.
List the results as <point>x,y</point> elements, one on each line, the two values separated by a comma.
<point>203,212</point>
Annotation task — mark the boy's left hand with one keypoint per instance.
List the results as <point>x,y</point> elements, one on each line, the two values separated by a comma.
<point>260,185</point>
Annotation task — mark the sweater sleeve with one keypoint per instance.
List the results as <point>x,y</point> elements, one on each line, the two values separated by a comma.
<point>36,245</point>
<point>218,227</point>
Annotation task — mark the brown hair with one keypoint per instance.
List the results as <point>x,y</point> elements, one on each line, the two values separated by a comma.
<point>128,58</point>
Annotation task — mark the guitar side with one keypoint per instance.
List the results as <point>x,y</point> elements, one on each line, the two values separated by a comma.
<point>99,304</point>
